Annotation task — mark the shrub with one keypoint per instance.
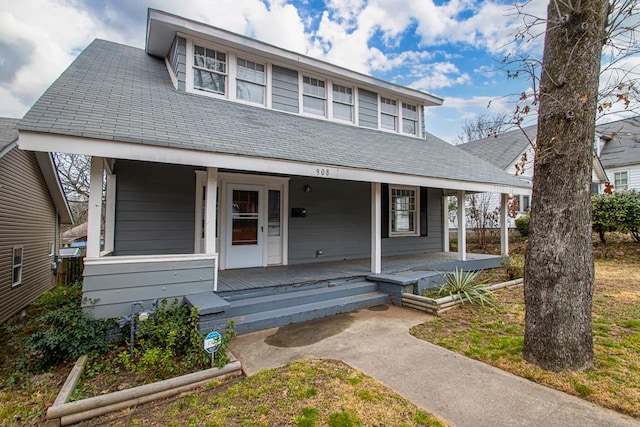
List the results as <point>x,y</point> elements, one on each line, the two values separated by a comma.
<point>64,332</point>
<point>522,224</point>
<point>514,267</point>
<point>466,285</point>
<point>619,211</point>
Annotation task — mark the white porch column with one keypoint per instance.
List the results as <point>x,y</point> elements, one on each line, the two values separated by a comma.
<point>95,207</point>
<point>376,225</point>
<point>462,227</point>
<point>210,211</point>
<point>504,225</point>
<point>110,210</point>
<point>445,224</point>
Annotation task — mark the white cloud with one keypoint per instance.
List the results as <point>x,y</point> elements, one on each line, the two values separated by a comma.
<point>440,75</point>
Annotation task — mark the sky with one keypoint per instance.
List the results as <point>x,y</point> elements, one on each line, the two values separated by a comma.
<point>451,49</point>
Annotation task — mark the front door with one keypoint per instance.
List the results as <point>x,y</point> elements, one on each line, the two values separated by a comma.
<point>245,229</point>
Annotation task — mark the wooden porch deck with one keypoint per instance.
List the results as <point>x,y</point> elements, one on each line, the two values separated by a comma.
<point>299,274</point>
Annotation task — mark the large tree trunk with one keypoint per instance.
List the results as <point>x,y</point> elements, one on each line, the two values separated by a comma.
<point>559,258</point>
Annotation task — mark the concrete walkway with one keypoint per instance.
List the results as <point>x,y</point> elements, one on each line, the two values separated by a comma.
<point>459,390</point>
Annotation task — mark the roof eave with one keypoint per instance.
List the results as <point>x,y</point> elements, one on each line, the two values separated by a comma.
<point>48,168</point>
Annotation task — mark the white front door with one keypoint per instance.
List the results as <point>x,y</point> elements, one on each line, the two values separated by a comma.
<point>245,227</point>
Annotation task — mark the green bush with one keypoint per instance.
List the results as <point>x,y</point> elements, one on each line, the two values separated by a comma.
<point>522,224</point>
<point>514,267</point>
<point>64,332</point>
<point>466,285</point>
<point>619,211</point>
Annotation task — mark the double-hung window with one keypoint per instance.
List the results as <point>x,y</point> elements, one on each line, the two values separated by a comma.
<point>16,265</point>
<point>209,70</point>
<point>524,203</point>
<point>621,181</point>
<point>409,118</point>
<point>314,96</point>
<point>343,102</point>
<point>388,114</point>
<point>250,81</point>
<point>404,214</point>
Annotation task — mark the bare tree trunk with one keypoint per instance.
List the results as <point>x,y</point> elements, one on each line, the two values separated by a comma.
<point>559,260</point>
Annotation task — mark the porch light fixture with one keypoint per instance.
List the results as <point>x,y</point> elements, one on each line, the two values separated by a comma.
<point>307,189</point>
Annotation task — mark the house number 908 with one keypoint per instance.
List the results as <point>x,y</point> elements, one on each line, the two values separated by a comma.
<point>322,172</point>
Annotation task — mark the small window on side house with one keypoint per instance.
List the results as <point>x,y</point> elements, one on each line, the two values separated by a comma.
<point>209,70</point>
<point>314,96</point>
<point>409,119</point>
<point>388,114</point>
<point>250,81</point>
<point>403,211</point>
<point>621,181</point>
<point>343,103</point>
<point>16,265</point>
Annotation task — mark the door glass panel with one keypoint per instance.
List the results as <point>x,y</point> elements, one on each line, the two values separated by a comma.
<point>245,217</point>
<point>274,212</point>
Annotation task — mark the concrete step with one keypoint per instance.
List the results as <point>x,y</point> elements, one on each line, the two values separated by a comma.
<point>296,313</point>
<point>302,296</point>
<point>286,288</point>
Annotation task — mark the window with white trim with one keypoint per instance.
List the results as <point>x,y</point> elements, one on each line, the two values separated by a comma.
<point>314,96</point>
<point>524,203</point>
<point>17,255</point>
<point>403,215</point>
<point>209,70</point>
<point>342,102</point>
<point>250,81</point>
<point>409,118</point>
<point>388,113</point>
<point>621,181</point>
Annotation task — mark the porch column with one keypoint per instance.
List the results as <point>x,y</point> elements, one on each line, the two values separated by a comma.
<point>94,219</point>
<point>445,224</point>
<point>110,209</point>
<point>462,227</point>
<point>376,228</point>
<point>210,211</point>
<point>504,225</point>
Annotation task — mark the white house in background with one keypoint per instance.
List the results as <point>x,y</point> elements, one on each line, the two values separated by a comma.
<point>221,152</point>
<point>619,145</point>
<point>513,152</point>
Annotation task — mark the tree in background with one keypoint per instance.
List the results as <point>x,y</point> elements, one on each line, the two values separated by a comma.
<point>74,171</point>
<point>483,126</point>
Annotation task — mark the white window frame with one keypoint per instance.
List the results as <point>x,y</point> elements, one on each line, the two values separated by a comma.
<point>416,122</point>
<point>521,198</point>
<point>341,102</point>
<point>382,100</point>
<point>236,78</point>
<point>304,94</point>
<point>620,187</point>
<point>191,51</point>
<point>416,211</point>
<point>14,265</point>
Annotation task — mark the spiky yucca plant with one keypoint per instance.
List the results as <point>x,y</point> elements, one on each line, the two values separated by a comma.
<point>466,285</point>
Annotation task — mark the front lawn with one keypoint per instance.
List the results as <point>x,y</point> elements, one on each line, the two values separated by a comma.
<point>494,335</point>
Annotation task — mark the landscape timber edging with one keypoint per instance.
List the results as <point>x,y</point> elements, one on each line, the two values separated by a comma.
<point>436,306</point>
<point>62,413</point>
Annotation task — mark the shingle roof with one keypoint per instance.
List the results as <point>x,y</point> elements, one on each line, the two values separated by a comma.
<point>503,150</point>
<point>624,147</point>
<point>116,92</point>
<point>8,131</point>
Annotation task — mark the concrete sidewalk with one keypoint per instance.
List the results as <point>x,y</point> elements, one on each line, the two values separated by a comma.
<point>459,390</point>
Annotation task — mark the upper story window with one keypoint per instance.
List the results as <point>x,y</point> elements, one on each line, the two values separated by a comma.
<point>250,81</point>
<point>314,96</point>
<point>209,70</point>
<point>388,114</point>
<point>409,118</point>
<point>403,215</point>
<point>16,265</point>
<point>343,102</point>
<point>621,181</point>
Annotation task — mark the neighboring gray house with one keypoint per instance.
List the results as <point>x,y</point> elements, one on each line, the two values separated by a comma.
<point>223,153</point>
<point>32,207</point>
<point>619,144</point>
<point>513,152</point>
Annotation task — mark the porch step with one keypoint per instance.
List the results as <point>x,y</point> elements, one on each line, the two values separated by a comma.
<point>298,313</point>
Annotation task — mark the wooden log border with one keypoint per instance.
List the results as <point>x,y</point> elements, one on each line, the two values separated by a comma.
<point>436,306</point>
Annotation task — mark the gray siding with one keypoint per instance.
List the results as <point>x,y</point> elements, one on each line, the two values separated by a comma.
<point>155,208</point>
<point>367,108</point>
<point>27,218</point>
<point>106,296</point>
<point>285,89</point>
<point>338,223</point>
<point>178,60</point>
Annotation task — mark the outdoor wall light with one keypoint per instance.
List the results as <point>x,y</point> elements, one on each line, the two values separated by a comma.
<point>307,189</point>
